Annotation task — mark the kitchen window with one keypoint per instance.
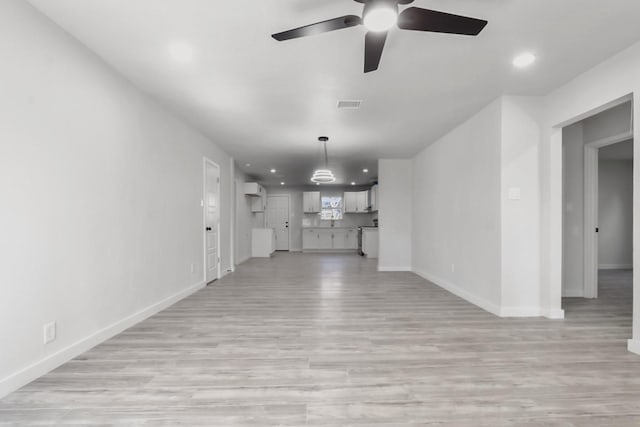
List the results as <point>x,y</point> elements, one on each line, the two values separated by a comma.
<point>331,208</point>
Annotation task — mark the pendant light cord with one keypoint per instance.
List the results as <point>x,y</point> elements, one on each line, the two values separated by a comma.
<point>326,156</point>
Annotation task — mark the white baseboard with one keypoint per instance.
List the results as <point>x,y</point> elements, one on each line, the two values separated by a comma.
<point>482,302</point>
<point>330,251</point>
<point>634,346</point>
<point>454,289</point>
<point>572,293</point>
<point>615,266</point>
<point>29,373</point>
<point>388,268</point>
<point>520,312</point>
<point>554,314</point>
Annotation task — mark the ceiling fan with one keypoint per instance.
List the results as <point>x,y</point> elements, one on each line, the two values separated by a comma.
<point>379,16</point>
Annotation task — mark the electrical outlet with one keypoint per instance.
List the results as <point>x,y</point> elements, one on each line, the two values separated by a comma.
<point>193,268</point>
<point>453,268</point>
<point>49,330</point>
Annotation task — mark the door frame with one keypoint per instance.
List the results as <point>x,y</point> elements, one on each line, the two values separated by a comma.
<point>206,161</point>
<point>288,196</point>
<point>552,289</point>
<point>591,197</point>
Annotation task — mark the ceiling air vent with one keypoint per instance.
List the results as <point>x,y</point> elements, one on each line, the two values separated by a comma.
<point>349,104</point>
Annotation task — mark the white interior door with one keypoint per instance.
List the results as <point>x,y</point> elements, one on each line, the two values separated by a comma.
<point>278,219</point>
<point>212,220</point>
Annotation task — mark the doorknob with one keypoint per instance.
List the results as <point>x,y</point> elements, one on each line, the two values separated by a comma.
<point>208,228</point>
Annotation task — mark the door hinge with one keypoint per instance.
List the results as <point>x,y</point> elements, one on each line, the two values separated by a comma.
<point>218,180</point>
<point>597,229</point>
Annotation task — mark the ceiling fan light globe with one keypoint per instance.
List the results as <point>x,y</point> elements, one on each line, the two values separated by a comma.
<point>380,18</point>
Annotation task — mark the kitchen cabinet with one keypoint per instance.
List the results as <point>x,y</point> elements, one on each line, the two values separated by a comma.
<point>339,239</point>
<point>328,239</point>
<point>311,202</point>
<point>262,242</point>
<point>325,239</point>
<point>258,196</point>
<point>374,198</point>
<point>350,201</point>
<point>363,201</point>
<point>370,242</point>
<point>253,189</point>
<point>351,239</point>
<point>356,201</point>
<point>259,204</point>
<point>310,239</point>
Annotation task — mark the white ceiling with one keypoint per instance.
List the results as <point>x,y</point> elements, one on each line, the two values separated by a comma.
<point>266,102</point>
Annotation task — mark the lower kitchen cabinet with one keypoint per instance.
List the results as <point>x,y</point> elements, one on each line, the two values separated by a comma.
<point>325,239</point>
<point>370,242</point>
<point>329,239</point>
<point>351,239</point>
<point>310,239</point>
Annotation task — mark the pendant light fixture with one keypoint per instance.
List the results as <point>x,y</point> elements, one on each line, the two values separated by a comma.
<point>324,176</point>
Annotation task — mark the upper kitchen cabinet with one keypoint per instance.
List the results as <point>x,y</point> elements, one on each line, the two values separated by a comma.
<point>254,189</point>
<point>258,195</point>
<point>259,204</point>
<point>356,201</point>
<point>374,198</point>
<point>311,202</point>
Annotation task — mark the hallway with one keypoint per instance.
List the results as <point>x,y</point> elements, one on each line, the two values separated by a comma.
<point>311,339</point>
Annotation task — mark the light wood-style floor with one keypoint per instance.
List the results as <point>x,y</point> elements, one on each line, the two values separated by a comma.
<point>326,340</point>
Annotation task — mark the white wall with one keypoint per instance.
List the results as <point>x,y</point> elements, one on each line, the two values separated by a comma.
<point>615,216</point>
<point>244,219</point>
<point>520,201</point>
<point>456,210</point>
<point>101,189</point>
<point>395,206</point>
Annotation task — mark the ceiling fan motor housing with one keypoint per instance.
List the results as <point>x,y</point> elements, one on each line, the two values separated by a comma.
<point>392,1</point>
<point>373,4</point>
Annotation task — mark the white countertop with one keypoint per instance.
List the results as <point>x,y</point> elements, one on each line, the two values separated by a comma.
<point>330,228</point>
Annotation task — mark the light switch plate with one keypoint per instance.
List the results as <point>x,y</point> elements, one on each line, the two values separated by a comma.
<point>49,331</point>
<point>515,193</point>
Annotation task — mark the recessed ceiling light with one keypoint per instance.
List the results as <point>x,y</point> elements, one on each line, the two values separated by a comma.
<point>181,52</point>
<point>365,170</point>
<point>282,183</point>
<point>273,171</point>
<point>381,17</point>
<point>248,165</point>
<point>353,183</point>
<point>317,183</point>
<point>524,60</point>
<point>349,104</point>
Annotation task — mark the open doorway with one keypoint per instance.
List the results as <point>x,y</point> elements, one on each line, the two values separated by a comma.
<point>598,205</point>
<point>615,222</point>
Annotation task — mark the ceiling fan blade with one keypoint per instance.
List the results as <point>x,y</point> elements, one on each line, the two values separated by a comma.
<point>415,18</point>
<point>319,27</point>
<point>373,46</point>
